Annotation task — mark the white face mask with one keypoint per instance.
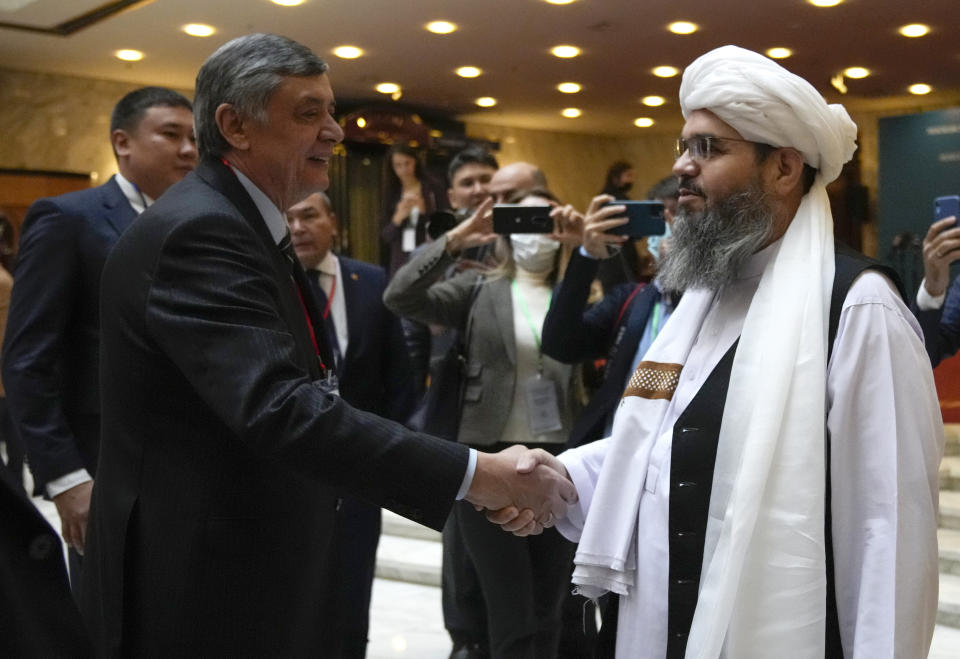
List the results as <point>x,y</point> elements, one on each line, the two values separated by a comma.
<point>534,252</point>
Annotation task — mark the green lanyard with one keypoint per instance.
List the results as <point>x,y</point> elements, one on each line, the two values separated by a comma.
<point>655,323</point>
<point>533,327</point>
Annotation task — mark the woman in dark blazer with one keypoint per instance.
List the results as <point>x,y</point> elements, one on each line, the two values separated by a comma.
<point>512,394</point>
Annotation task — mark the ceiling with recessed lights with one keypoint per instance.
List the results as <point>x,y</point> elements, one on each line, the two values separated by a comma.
<point>502,49</point>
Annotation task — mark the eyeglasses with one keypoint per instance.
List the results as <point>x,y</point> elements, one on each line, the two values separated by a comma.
<point>701,147</point>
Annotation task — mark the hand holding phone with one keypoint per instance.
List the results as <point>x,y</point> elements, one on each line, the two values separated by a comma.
<point>941,245</point>
<point>644,218</point>
<point>520,218</point>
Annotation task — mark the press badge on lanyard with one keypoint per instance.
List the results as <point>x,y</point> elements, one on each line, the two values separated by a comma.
<point>328,382</point>
<point>540,393</point>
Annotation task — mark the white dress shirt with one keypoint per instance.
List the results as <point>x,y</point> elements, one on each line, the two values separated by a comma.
<point>331,279</point>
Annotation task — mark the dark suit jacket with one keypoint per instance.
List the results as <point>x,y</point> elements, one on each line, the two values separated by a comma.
<point>375,375</point>
<point>941,327</point>
<point>39,617</point>
<point>52,345</point>
<point>220,456</point>
<point>572,334</point>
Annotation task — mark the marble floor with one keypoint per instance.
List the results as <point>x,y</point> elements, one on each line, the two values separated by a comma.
<point>406,621</point>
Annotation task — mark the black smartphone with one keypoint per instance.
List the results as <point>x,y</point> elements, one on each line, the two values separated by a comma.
<point>946,207</point>
<point>517,218</point>
<point>644,218</point>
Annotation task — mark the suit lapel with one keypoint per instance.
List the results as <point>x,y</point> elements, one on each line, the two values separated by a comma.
<point>221,178</point>
<point>117,209</point>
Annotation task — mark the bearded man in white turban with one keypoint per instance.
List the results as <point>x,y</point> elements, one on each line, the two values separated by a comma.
<point>770,485</point>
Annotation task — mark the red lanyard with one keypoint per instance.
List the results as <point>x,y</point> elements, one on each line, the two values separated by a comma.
<point>333,291</point>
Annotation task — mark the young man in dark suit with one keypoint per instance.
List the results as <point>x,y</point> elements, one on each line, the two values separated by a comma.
<point>51,348</point>
<point>373,370</point>
<point>225,444</point>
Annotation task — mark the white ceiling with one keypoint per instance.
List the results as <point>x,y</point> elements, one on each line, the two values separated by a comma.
<point>622,40</point>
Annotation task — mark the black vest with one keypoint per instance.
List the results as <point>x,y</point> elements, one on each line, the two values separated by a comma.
<point>693,455</point>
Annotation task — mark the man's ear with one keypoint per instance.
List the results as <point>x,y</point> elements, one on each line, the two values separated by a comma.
<point>120,140</point>
<point>450,197</point>
<point>787,170</point>
<point>232,126</point>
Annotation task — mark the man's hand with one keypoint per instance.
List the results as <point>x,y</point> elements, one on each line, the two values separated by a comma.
<point>941,247</point>
<point>540,493</point>
<point>597,222</point>
<point>475,230</point>
<point>73,506</point>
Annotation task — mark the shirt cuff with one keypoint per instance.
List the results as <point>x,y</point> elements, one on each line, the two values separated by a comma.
<point>468,477</point>
<point>584,252</point>
<point>64,483</point>
<point>927,302</point>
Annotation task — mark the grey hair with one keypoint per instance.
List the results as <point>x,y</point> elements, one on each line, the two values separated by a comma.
<point>245,72</point>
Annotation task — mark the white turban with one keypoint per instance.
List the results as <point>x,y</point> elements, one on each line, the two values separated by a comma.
<point>766,103</point>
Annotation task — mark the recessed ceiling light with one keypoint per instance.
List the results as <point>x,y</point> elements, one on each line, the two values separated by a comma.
<point>348,52</point>
<point>915,30</point>
<point>653,101</point>
<point>441,27</point>
<point>565,51</point>
<point>468,72</point>
<point>198,29</point>
<point>920,89</point>
<point>388,88</point>
<point>560,2</point>
<point>779,53</point>
<point>486,101</point>
<point>129,55</point>
<point>666,71</point>
<point>643,122</point>
<point>683,27</point>
<point>571,113</point>
<point>569,87</point>
<point>288,3</point>
<point>361,122</point>
<point>856,72</point>
<point>825,3</point>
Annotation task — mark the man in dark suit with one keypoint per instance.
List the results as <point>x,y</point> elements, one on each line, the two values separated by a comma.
<point>937,303</point>
<point>51,348</point>
<point>224,443</point>
<point>374,375</point>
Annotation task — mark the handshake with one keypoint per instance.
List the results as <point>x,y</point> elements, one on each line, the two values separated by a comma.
<point>524,491</point>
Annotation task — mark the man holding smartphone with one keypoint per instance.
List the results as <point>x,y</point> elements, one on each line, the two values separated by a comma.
<point>936,307</point>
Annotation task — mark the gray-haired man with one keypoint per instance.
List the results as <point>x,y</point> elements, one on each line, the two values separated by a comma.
<point>224,440</point>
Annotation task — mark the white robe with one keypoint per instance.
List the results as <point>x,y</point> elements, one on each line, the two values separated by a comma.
<point>887,441</point>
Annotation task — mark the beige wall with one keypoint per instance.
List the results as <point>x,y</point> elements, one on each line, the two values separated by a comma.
<point>576,164</point>
<point>59,123</point>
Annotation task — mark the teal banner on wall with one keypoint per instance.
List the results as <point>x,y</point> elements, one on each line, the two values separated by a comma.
<point>919,159</point>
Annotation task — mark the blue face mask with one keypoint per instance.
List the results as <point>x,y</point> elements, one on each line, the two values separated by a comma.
<point>653,243</point>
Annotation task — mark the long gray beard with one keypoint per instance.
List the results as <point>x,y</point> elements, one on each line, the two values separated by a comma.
<point>707,248</point>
